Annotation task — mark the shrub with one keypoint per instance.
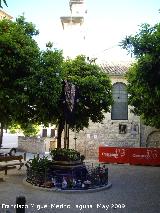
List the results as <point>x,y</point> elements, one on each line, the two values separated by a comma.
<point>60,154</point>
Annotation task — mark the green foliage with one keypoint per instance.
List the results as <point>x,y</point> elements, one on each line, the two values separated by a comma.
<point>93,91</point>
<point>14,128</point>
<point>30,130</point>
<point>93,95</point>
<point>144,75</point>
<point>19,56</point>
<point>29,27</point>
<point>30,85</point>
<point>38,163</point>
<point>19,59</point>
<point>46,85</point>
<point>145,42</point>
<point>32,82</point>
<point>65,155</point>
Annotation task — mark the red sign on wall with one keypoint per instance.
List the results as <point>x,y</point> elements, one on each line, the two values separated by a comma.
<point>144,156</point>
<point>141,156</point>
<point>113,155</point>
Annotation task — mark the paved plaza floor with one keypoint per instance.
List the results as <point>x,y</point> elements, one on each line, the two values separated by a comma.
<point>135,189</point>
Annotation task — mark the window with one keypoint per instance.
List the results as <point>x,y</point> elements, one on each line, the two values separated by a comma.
<point>52,133</point>
<point>120,106</point>
<point>44,132</point>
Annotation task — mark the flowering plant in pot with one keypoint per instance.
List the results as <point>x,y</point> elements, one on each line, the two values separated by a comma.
<point>61,154</point>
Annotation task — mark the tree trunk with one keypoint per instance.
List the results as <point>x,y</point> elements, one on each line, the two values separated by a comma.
<point>1,134</point>
<point>59,133</point>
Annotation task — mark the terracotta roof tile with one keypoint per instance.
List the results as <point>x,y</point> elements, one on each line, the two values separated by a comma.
<point>4,14</point>
<point>116,68</point>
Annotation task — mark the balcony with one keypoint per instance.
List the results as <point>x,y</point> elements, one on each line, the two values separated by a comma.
<point>73,20</point>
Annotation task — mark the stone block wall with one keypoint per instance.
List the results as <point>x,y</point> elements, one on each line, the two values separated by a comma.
<point>106,134</point>
<point>150,136</point>
<point>31,144</point>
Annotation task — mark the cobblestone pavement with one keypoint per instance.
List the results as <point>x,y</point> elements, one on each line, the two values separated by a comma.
<point>135,189</point>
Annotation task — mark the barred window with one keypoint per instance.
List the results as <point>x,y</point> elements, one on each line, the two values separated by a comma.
<point>120,106</point>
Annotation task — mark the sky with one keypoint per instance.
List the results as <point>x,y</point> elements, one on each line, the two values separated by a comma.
<point>107,23</point>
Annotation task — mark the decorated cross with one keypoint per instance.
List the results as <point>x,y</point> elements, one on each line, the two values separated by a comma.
<point>70,91</point>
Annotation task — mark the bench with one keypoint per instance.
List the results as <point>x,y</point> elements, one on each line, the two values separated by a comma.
<point>10,162</point>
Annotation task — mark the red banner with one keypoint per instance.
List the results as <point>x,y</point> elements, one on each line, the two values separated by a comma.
<point>145,156</point>
<point>136,156</point>
<point>113,155</point>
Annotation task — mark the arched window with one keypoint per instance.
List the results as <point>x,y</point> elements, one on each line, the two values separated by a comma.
<point>120,106</point>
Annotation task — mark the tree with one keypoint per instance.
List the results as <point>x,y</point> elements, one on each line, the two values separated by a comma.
<point>144,75</point>
<point>44,88</point>
<point>4,1</point>
<point>19,60</point>
<point>29,130</point>
<point>32,83</point>
<point>93,95</point>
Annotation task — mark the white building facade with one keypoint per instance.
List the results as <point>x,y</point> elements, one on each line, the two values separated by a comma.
<point>74,33</point>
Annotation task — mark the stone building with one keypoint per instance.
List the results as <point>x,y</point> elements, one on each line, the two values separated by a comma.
<point>3,15</point>
<point>120,127</point>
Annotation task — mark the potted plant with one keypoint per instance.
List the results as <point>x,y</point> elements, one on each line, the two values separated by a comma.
<point>60,154</point>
